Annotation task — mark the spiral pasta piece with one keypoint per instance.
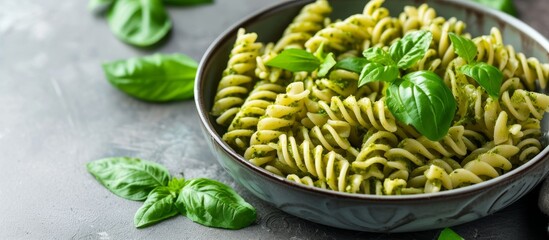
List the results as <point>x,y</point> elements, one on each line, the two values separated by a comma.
<point>279,118</point>
<point>237,77</point>
<point>244,124</point>
<point>349,33</point>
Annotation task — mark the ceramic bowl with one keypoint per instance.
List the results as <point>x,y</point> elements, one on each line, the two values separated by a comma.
<point>367,212</point>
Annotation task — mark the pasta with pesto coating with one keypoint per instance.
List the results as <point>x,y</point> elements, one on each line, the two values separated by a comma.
<point>328,131</point>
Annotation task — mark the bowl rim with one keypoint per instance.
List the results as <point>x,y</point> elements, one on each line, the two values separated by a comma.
<point>205,117</point>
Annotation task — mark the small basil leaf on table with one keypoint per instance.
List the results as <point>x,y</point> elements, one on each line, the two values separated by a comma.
<point>506,6</point>
<point>376,72</point>
<point>129,178</point>
<point>186,2</point>
<point>214,204</point>
<point>295,60</point>
<point>449,234</point>
<point>156,78</point>
<point>422,100</point>
<point>464,47</point>
<point>160,205</point>
<point>353,64</point>
<point>411,48</point>
<point>487,76</point>
<point>139,22</point>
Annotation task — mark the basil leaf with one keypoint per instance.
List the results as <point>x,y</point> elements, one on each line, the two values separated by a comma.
<point>449,234</point>
<point>99,5</point>
<point>423,100</point>
<point>378,55</point>
<point>487,76</point>
<point>160,205</point>
<point>129,178</point>
<point>295,60</point>
<point>157,78</point>
<point>186,2</point>
<point>411,48</point>
<point>139,22</point>
<point>506,6</point>
<point>353,64</point>
<point>326,65</point>
<point>464,47</point>
<point>376,72</point>
<point>214,204</point>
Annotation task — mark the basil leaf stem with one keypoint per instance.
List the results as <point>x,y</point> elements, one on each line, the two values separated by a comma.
<point>139,22</point>
<point>158,206</point>
<point>129,178</point>
<point>214,204</point>
<point>156,78</point>
<point>422,100</point>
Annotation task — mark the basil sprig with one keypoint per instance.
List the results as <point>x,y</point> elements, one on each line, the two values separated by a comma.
<point>141,23</point>
<point>486,75</point>
<point>420,98</point>
<point>449,234</point>
<point>156,78</point>
<point>202,200</point>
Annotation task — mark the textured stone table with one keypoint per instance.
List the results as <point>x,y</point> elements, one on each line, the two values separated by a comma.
<point>58,112</point>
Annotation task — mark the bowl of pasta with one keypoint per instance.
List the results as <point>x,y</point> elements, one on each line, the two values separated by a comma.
<point>380,116</point>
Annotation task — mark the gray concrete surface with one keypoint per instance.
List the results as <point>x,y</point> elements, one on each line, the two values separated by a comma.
<point>57,112</point>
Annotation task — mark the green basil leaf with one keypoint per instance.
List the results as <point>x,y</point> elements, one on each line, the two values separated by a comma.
<point>139,22</point>
<point>295,60</point>
<point>214,204</point>
<point>506,6</point>
<point>99,5</point>
<point>326,65</point>
<point>464,47</point>
<point>422,100</point>
<point>186,2</point>
<point>157,78</point>
<point>411,48</point>
<point>129,178</point>
<point>376,72</point>
<point>378,55</point>
<point>487,76</point>
<point>449,234</point>
<point>160,205</point>
<point>353,64</point>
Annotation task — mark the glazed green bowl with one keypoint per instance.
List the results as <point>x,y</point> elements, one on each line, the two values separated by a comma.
<point>368,212</point>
